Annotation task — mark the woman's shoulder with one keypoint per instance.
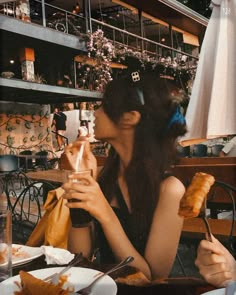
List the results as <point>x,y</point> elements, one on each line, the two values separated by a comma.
<point>172,184</point>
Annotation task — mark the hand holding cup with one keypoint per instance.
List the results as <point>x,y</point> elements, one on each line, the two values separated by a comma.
<point>79,217</point>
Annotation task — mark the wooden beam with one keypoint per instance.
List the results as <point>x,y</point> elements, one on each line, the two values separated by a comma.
<point>93,62</point>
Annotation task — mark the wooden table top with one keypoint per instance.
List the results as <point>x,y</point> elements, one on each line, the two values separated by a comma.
<point>195,228</point>
<point>52,175</point>
<point>202,161</point>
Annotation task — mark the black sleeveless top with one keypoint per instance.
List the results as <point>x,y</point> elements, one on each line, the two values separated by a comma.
<point>105,252</point>
<point>125,218</point>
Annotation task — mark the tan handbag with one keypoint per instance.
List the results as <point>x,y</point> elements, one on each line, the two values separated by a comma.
<point>53,228</point>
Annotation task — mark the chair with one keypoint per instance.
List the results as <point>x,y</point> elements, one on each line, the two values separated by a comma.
<point>216,149</point>
<point>199,150</point>
<point>52,160</point>
<point>8,163</point>
<point>25,163</point>
<point>223,191</point>
<point>41,162</point>
<point>223,229</point>
<point>28,209</point>
<point>183,151</point>
<point>44,187</point>
<point>13,183</point>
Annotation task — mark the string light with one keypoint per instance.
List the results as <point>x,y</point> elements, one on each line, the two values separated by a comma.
<point>76,8</point>
<point>74,11</point>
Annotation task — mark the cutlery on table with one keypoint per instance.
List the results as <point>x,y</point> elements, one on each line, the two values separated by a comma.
<point>87,290</point>
<point>77,259</point>
<point>202,215</point>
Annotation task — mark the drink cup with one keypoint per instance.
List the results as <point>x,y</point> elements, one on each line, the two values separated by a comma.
<point>5,245</point>
<point>79,217</point>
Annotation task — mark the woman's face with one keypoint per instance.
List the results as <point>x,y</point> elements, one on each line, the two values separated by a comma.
<point>104,128</point>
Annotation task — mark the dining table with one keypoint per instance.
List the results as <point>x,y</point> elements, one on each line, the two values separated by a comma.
<point>165,286</point>
<point>57,176</point>
<point>52,175</point>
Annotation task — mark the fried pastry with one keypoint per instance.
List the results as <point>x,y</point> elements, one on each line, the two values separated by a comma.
<point>31,285</point>
<point>136,279</point>
<point>196,192</point>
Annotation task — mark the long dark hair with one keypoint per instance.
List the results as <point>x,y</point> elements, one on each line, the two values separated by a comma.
<point>154,145</point>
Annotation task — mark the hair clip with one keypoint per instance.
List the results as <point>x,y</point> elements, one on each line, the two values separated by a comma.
<point>140,98</point>
<point>135,76</point>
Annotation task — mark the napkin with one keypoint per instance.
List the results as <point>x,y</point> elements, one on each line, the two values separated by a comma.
<point>53,227</point>
<point>57,255</point>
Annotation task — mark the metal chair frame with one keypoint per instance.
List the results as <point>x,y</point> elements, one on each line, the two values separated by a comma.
<point>27,209</point>
<point>22,161</point>
<point>13,183</point>
<point>231,243</point>
<point>231,193</point>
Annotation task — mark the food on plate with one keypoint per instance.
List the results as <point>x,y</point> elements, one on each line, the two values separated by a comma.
<point>31,285</point>
<point>3,256</point>
<point>135,279</point>
<point>195,194</point>
<point>17,252</point>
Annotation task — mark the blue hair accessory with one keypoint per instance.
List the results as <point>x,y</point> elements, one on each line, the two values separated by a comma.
<point>140,97</point>
<point>176,117</point>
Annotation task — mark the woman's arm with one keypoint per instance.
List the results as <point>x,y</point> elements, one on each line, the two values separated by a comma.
<point>81,240</point>
<point>215,263</point>
<point>164,235</point>
<point>166,229</point>
<point>160,243</point>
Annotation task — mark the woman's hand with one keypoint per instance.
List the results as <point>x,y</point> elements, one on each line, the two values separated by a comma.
<point>69,159</point>
<point>87,191</point>
<point>215,263</point>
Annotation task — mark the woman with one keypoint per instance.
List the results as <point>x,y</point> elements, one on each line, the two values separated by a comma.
<point>134,202</point>
<point>215,263</point>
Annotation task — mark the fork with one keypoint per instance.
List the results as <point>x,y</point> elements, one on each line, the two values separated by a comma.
<point>202,215</point>
<point>87,290</point>
<point>77,259</point>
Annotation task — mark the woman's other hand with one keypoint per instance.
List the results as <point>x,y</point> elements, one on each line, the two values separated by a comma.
<point>69,158</point>
<point>215,263</point>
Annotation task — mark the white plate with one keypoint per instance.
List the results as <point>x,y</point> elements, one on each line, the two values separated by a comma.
<point>24,254</point>
<point>79,277</point>
<point>215,292</point>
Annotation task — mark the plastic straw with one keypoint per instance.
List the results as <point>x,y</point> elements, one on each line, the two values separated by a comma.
<point>79,157</point>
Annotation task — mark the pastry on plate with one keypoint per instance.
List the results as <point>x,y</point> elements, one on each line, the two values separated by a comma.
<point>31,285</point>
<point>134,279</point>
